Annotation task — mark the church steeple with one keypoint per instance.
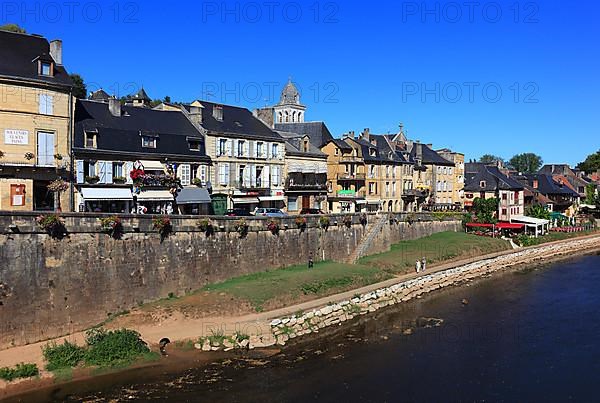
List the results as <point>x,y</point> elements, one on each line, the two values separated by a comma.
<point>289,109</point>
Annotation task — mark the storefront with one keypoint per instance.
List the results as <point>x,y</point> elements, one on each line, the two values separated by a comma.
<point>272,201</point>
<point>248,203</point>
<point>194,201</point>
<point>373,205</point>
<point>155,202</point>
<point>105,200</point>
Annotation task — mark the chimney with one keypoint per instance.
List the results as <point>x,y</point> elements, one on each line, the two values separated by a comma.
<point>114,106</point>
<point>419,151</point>
<point>266,115</point>
<point>195,115</point>
<point>56,51</point>
<point>366,135</point>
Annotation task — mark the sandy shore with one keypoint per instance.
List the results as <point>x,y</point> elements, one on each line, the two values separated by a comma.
<point>179,328</point>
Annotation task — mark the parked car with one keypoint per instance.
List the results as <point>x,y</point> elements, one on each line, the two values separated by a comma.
<point>269,212</point>
<point>311,211</point>
<point>237,212</point>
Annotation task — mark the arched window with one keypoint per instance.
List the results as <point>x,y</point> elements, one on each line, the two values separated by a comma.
<point>287,117</point>
<point>280,117</point>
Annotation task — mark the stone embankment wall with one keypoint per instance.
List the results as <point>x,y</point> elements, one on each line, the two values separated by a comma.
<point>51,287</point>
<point>294,326</point>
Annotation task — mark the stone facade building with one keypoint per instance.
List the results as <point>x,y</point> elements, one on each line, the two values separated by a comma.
<point>248,158</point>
<point>458,194</point>
<point>36,110</point>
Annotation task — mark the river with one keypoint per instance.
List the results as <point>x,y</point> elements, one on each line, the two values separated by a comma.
<point>530,335</point>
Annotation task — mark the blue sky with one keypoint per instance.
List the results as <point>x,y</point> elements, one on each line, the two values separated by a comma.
<point>492,77</point>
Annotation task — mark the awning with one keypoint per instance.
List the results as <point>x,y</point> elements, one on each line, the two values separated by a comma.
<point>106,193</point>
<point>193,195</point>
<point>373,201</point>
<point>530,220</point>
<point>506,225</point>
<point>272,198</point>
<point>155,195</point>
<point>249,200</point>
<point>480,225</point>
<point>152,165</point>
<point>361,202</point>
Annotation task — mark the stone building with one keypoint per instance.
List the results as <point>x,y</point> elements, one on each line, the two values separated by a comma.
<point>248,157</point>
<point>458,194</point>
<point>36,110</point>
<point>164,148</point>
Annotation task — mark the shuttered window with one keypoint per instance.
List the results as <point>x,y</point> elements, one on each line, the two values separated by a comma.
<point>46,104</point>
<point>45,148</point>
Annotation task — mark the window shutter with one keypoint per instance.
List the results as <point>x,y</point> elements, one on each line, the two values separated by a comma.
<point>203,173</point>
<point>254,150</point>
<point>79,171</point>
<point>109,172</point>
<point>49,104</point>
<point>266,176</point>
<point>42,104</point>
<point>247,149</point>
<point>229,148</point>
<point>102,171</point>
<point>226,174</point>
<point>127,168</point>
<point>253,174</point>
<point>280,151</point>
<point>268,145</point>
<point>217,141</point>
<point>235,148</point>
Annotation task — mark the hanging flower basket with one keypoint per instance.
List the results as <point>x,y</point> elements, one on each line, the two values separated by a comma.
<point>163,226</point>
<point>241,227</point>
<point>273,226</point>
<point>206,226</point>
<point>363,219</point>
<point>347,221</point>
<point>301,223</point>
<point>58,185</point>
<point>29,156</point>
<point>53,224</point>
<point>324,222</point>
<point>112,226</point>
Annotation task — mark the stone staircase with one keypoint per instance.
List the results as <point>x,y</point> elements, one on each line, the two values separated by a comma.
<point>366,241</point>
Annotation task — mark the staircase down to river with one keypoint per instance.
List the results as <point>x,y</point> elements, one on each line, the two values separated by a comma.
<point>365,242</point>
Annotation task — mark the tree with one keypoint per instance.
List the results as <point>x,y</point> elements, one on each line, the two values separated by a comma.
<point>167,99</point>
<point>485,210</point>
<point>538,211</point>
<point>591,163</point>
<point>490,159</point>
<point>526,162</point>
<point>79,88</point>
<point>12,28</point>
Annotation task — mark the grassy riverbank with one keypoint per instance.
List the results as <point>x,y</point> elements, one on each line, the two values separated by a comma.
<point>298,283</point>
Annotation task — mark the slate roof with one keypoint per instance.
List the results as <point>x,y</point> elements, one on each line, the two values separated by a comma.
<point>342,144</point>
<point>293,146</point>
<point>18,59</point>
<point>317,131</point>
<point>494,179</point>
<point>99,95</point>
<point>383,152</point>
<point>429,157</point>
<point>547,185</point>
<point>236,121</point>
<point>122,134</point>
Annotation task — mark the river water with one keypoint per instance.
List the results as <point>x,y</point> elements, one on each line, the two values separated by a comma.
<point>531,335</point>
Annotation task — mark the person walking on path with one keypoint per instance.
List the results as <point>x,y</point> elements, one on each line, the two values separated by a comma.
<point>418,266</point>
<point>310,261</point>
<point>423,263</point>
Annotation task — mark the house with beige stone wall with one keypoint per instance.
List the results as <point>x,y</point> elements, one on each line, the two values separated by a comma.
<point>36,110</point>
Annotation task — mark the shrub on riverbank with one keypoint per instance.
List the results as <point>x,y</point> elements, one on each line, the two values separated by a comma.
<point>103,348</point>
<point>21,370</point>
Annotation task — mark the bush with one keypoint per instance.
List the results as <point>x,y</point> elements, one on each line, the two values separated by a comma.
<point>273,226</point>
<point>60,356</point>
<point>109,348</point>
<point>19,371</point>
<point>324,222</point>
<point>163,226</point>
<point>241,227</point>
<point>206,226</point>
<point>112,226</point>
<point>53,224</point>
<point>301,223</point>
<point>347,220</point>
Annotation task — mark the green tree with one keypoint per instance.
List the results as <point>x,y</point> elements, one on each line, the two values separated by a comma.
<point>167,99</point>
<point>591,163</point>
<point>12,28</point>
<point>526,162</point>
<point>485,210</point>
<point>590,194</point>
<point>490,159</point>
<point>538,211</point>
<point>79,87</point>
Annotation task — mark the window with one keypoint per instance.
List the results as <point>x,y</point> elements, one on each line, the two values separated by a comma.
<point>185,174</point>
<point>117,170</point>
<point>45,68</point>
<point>148,142</point>
<point>504,211</point>
<point>241,175</point>
<point>240,148</point>
<point>218,112</point>
<point>222,147</point>
<point>90,140</point>
<point>260,149</point>
<point>372,171</point>
<point>17,195</point>
<point>46,104</point>
<point>275,150</point>
<point>89,168</point>
<point>194,145</point>
<point>259,172</point>
<point>336,151</point>
<point>203,173</point>
<point>372,152</point>
<point>276,175</point>
<point>224,174</point>
<point>504,196</point>
<point>482,184</point>
<point>292,203</point>
<point>372,188</point>
<point>45,148</point>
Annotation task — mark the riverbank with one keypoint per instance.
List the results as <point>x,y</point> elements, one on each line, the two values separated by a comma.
<point>180,329</point>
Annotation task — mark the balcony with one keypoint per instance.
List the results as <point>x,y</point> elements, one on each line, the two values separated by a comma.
<point>306,181</point>
<point>350,177</point>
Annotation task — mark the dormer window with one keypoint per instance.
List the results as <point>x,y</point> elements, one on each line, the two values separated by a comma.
<point>482,184</point>
<point>45,68</point>
<point>148,142</point>
<point>90,140</point>
<point>218,112</point>
<point>305,145</point>
<point>372,152</point>
<point>194,144</point>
